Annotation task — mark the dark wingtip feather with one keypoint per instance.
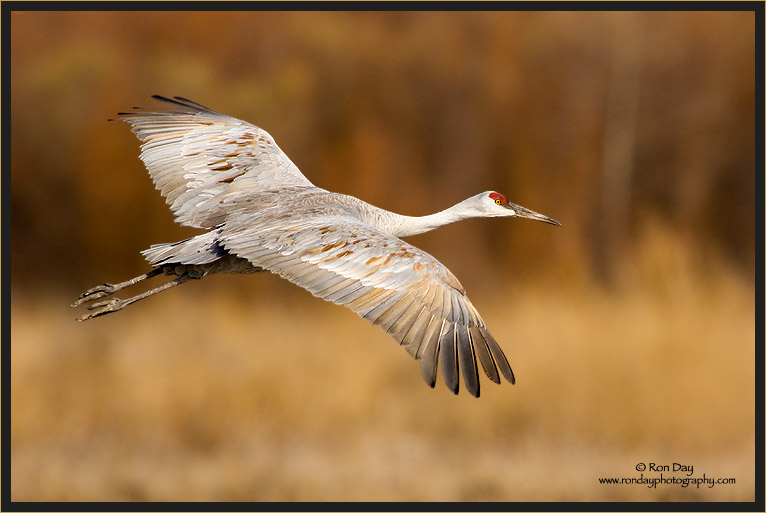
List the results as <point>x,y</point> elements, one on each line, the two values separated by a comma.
<point>467,360</point>
<point>190,102</point>
<point>500,359</point>
<point>449,360</point>
<point>428,365</point>
<point>482,351</point>
<point>183,102</point>
<point>429,357</point>
<point>175,101</point>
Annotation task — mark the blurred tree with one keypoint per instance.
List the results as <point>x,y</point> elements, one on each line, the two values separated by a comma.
<point>598,119</point>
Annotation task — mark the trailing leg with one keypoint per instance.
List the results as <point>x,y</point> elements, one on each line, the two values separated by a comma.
<point>116,304</point>
<point>107,289</point>
<point>181,271</point>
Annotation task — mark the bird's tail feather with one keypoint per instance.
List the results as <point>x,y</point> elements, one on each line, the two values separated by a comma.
<point>202,249</point>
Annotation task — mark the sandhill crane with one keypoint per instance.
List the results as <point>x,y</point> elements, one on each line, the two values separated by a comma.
<point>229,177</point>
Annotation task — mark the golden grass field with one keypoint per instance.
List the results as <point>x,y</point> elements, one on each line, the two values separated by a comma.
<point>217,391</point>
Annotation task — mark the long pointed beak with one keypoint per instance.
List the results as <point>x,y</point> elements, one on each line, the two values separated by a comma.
<point>531,214</point>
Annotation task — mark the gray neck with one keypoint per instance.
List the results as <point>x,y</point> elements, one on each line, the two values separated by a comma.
<point>404,226</point>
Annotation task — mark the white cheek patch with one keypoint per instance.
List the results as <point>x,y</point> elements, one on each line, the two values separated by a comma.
<point>513,212</point>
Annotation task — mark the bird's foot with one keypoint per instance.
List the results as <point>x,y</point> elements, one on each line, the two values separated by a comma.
<point>104,307</point>
<point>107,289</point>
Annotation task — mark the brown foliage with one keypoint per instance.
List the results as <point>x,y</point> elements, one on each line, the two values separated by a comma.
<point>597,119</point>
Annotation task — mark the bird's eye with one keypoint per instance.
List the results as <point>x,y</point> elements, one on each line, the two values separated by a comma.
<point>499,201</point>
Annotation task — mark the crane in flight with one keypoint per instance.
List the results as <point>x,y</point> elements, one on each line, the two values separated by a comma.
<point>230,178</point>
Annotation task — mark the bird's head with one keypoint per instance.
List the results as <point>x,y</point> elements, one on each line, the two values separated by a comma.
<point>494,204</point>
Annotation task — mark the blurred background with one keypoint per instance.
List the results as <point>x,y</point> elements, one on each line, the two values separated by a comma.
<point>630,327</point>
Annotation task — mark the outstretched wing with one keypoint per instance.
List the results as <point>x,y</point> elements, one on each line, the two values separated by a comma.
<point>195,156</point>
<point>392,284</point>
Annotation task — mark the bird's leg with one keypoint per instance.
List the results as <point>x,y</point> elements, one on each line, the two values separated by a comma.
<point>115,304</point>
<point>107,289</point>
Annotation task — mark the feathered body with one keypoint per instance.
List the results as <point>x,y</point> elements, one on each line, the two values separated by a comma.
<point>261,214</point>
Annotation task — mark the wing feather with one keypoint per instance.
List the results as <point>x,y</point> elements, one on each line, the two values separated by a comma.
<point>337,286</point>
<point>196,157</point>
<point>499,357</point>
<point>430,355</point>
<point>448,349</point>
<point>405,322</point>
<point>386,281</point>
<point>415,335</point>
<point>360,303</point>
<point>348,294</point>
<point>395,312</point>
<point>377,311</point>
<point>482,351</point>
<point>467,359</point>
